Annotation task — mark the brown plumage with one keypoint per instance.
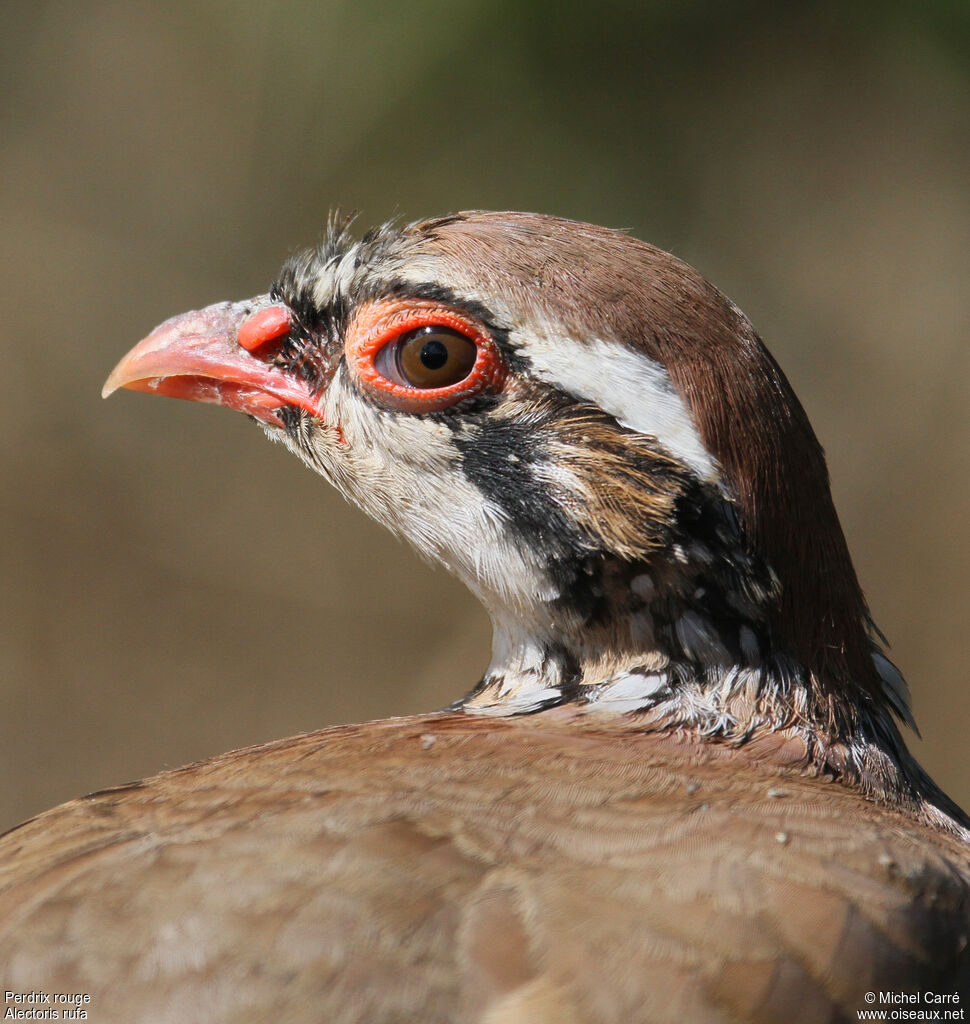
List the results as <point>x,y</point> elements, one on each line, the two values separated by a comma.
<point>677,794</point>
<point>532,870</point>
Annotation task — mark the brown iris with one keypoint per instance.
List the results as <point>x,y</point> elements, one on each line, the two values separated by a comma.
<point>419,356</point>
<point>434,356</point>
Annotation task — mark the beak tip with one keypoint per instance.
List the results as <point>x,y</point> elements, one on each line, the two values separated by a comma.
<point>111,385</point>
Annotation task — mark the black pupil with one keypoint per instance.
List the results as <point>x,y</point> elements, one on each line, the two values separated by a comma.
<point>434,354</point>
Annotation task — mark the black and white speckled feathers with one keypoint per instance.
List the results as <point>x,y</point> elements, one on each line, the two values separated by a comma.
<point>642,505</point>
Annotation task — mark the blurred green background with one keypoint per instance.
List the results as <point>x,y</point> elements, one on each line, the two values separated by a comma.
<point>174,586</point>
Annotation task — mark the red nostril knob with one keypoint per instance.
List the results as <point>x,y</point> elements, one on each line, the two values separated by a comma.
<point>267,325</point>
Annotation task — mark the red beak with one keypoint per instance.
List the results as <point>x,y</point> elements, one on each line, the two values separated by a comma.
<point>198,356</point>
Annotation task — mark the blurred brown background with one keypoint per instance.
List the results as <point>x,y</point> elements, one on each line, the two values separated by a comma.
<point>174,586</point>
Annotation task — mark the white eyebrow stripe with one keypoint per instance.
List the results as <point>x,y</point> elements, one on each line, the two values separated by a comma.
<point>628,385</point>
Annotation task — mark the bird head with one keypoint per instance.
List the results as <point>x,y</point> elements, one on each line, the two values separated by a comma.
<point>590,435</point>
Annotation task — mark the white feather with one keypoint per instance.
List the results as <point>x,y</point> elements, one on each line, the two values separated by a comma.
<point>628,693</point>
<point>633,389</point>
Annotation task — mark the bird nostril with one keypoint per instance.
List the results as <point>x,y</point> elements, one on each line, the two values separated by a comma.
<point>269,325</point>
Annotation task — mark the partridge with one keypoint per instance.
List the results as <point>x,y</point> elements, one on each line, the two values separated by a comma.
<point>679,792</point>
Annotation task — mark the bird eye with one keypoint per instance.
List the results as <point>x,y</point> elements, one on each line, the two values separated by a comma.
<point>433,356</point>
<point>419,356</point>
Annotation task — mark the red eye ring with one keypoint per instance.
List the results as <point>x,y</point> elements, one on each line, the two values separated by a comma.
<point>384,323</point>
